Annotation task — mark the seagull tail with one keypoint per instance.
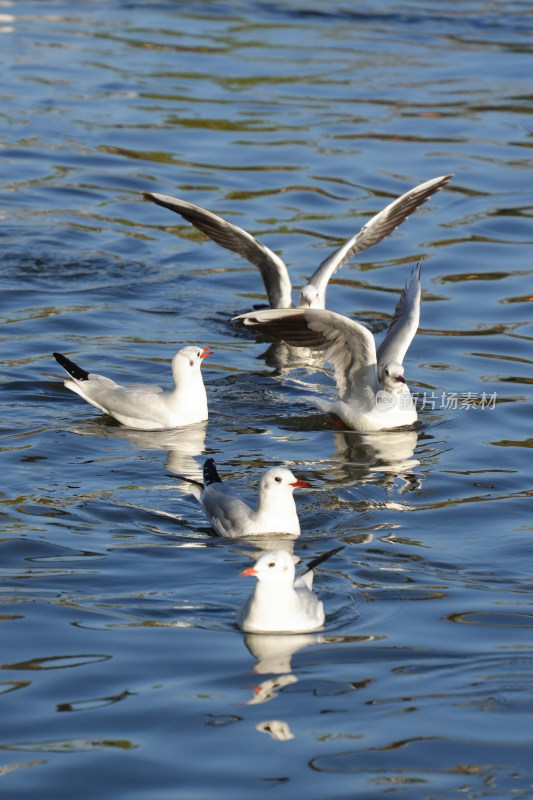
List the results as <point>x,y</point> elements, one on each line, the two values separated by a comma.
<point>319,559</point>
<point>210,473</point>
<point>73,370</point>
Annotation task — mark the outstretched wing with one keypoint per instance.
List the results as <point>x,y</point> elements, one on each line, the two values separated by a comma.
<point>272,268</point>
<point>349,346</point>
<point>376,229</point>
<point>404,323</point>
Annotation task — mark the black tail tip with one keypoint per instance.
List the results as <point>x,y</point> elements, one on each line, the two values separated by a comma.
<point>324,557</point>
<point>69,366</point>
<point>210,472</point>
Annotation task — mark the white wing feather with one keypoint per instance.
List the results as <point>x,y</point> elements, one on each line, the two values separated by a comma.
<point>404,323</point>
<point>376,229</point>
<point>348,345</point>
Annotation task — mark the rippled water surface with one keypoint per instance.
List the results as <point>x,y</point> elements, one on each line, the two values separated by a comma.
<point>123,673</point>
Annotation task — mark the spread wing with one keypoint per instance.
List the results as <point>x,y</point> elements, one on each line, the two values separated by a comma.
<point>404,323</point>
<point>272,268</point>
<point>376,229</point>
<point>349,346</point>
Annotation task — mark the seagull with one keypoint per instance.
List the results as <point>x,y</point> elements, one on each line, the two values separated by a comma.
<point>229,515</point>
<point>146,407</point>
<point>273,269</point>
<point>282,601</point>
<point>373,394</point>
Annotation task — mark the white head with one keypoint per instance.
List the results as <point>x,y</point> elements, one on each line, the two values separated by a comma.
<point>279,480</point>
<point>188,361</point>
<point>309,297</point>
<point>392,379</point>
<point>273,567</point>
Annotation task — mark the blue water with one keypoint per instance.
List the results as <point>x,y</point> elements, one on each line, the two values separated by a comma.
<point>123,673</point>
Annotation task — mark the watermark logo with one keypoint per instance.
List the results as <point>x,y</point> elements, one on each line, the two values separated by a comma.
<point>454,400</point>
<point>385,400</point>
<point>433,401</point>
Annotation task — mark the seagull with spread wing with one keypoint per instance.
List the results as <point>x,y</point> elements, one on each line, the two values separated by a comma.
<point>273,269</point>
<point>373,394</point>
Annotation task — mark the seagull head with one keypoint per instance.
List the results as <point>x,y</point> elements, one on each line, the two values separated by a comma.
<point>279,479</point>
<point>392,379</point>
<point>274,566</point>
<point>189,359</point>
<point>309,297</point>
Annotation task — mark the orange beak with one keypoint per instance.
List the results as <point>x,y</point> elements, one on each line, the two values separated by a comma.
<point>247,572</point>
<point>305,484</point>
<point>206,352</point>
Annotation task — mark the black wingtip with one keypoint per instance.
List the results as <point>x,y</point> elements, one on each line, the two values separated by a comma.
<point>185,478</point>
<point>76,372</point>
<point>415,272</point>
<point>153,196</point>
<point>319,559</point>
<point>210,473</point>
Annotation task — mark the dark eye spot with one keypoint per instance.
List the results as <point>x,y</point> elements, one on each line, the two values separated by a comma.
<point>272,564</point>
<point>277,479</point>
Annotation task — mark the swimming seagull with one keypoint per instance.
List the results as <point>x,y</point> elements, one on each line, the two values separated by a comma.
<point>282,600</point>
<point>142,406</point>
<point>274,511</point>
<point>373,394</point>
<point>273,269</point>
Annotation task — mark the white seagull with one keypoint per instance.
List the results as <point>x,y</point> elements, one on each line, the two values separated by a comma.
<point>282,600</point>
<point>273,269</point>
<point>274,511</point>
<point>146,407</point>
<point>373,394</point>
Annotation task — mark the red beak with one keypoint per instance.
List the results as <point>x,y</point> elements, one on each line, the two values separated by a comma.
<point>206,352</point>
<point>247,572</point>
<point>301,483</point>
<point>400,378</point>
